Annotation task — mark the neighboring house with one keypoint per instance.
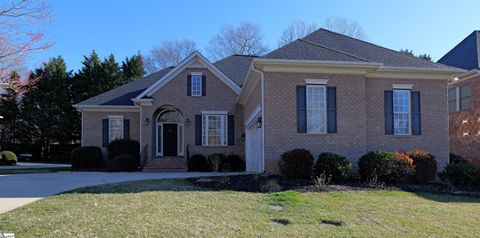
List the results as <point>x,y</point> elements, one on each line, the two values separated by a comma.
<point>325,92</point>
<point>464,98</point>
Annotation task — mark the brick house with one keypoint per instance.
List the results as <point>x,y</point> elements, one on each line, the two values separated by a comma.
<point>464,98</point>
<point>325,92</point>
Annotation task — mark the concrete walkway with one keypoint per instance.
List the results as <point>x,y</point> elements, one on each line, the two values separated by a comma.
<point>17,190</point>
<point>29,165</point>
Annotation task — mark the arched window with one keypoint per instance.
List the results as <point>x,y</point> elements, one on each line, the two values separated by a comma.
<point>170,116</point>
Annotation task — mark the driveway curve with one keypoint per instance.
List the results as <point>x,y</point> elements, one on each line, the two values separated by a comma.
<point>17,190</point>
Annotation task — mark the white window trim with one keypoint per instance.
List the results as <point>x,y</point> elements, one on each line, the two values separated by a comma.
<point>223,139</point>
<point>402,86</point>
<point>324,108</point>
<point>115,117</point>
<point>316,81</point>
<point>409,113</point>
<point>201,83</point>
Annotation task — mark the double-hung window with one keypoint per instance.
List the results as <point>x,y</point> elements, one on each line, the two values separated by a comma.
<point>459,98</point>
<point>115,128</point>
<point>214,130</point>
<point>401,112</point>
<point>196,85</point>
<point>316,109</point>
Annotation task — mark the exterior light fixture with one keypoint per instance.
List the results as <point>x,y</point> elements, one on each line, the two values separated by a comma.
<point>147,121</point>
<point>465,133</point>
<point>259,122</point>
<point>455,79</point>
<point>464,121</point>
<point>187,122</point>
<point>1,117</point>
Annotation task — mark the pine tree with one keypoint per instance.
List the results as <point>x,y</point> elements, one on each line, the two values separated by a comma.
<point>133,68</point>
<point>47,106</point>
<point>86,81</point>
<point>110,76</point>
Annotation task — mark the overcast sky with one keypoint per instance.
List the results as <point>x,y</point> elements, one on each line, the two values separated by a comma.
<point>124,27</point>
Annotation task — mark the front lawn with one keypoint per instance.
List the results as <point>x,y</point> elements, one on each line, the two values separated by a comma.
<point>176,208</point>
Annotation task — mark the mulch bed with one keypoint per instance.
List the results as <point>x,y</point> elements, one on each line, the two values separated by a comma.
<point>266,184</point>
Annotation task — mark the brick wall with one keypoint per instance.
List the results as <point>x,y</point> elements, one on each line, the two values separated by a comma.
<point>92,126</point>
<point>360,118</point>
<point>219,97</point>
<point>466,121</point>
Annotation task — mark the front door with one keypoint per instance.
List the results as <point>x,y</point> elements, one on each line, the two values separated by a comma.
<point>169,139</point>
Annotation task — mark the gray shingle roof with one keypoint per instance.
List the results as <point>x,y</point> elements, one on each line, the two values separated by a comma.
<point>304,50</point>
<point>352,49</point>
<point>123,94</point>
<point>319,45</point>
<point>235,67</point>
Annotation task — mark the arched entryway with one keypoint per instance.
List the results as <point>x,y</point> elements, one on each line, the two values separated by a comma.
<point>169,133</point>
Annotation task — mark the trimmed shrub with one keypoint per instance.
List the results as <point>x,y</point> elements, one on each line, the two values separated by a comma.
<point>463,174</point>
<point>8,158</point>
<point>403,168</point>
<point>232,163</point>
<point>126,163</point>
<point>88,157</point>
<point>198,163</point>
<point>215,161</point>
<point>122,147</point>
<point>333,165</point>
<point>296,163</point>
<point>385,166</point>
<point>425,166</point>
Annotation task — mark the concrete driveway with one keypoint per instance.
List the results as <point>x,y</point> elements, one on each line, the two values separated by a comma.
<point>20,189</point>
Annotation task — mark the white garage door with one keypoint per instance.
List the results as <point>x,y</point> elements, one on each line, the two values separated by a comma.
<point>254,146</point>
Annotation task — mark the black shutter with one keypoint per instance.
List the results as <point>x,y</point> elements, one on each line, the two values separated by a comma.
<point>388,112</point>
<point>416,117</point>
<point>104,132</point>
<point>198,129</point>
<point>301,109</point>
<point>204,85</point>
<point>189,85</point>
<point>331,110</point>
<point>231,130</point>
<point>126,128</point>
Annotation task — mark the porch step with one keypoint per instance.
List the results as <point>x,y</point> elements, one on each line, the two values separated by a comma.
<point>166,164</point>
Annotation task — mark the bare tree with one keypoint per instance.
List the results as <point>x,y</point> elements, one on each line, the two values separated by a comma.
<point>296,30</point>
<point>20,32</point>
<point>169,53</point>
<point>245,39</point>
<point>345,26</point>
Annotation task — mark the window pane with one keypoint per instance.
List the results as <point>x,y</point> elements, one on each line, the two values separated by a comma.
<point>401,112</point>
<point>316,118</point>
<point>115,129</point>
<point>214,132</point>
<point>464,97</point>
<point>196,85</point>
<point>465,91</point>
<point>464,103</point>
<point>452,94</point>
<point>159,138</point>
<point>452,106</point>
<point>180,139</point>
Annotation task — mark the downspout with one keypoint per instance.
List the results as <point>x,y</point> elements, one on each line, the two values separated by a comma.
<point>262,85</point>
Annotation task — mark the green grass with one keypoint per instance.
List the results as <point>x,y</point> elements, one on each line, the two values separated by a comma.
<point>32,171</point>
<point>151,209</point>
